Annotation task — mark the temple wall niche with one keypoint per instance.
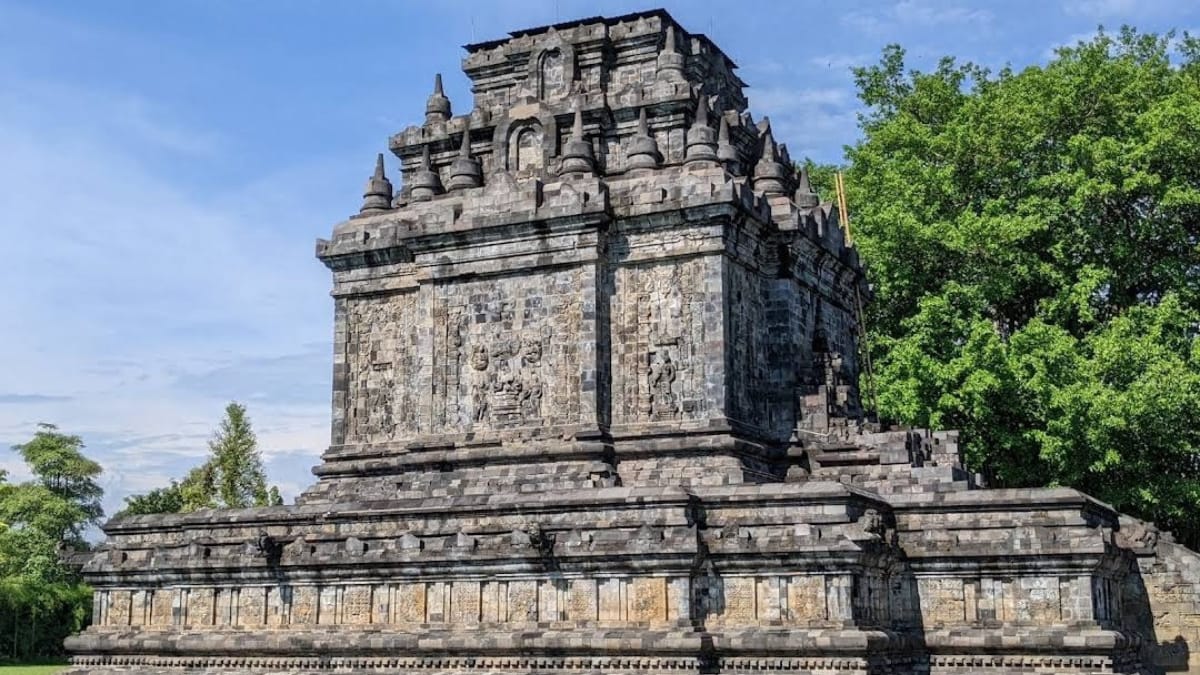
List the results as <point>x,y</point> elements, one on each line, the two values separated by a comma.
<point>750,371</point>
<point>507,352</point>
<point>840,332</point>
<point>788,343</point>
<point>667,361</point>
<point>381,360</point>
<point>553,78</point>
<point>528,153</point>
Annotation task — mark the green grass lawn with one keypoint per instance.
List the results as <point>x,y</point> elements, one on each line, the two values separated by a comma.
<point>30,670</point>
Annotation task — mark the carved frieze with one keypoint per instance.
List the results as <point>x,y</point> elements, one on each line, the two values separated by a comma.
<point>662,316</point>
<point>750,393</point>
<point>382,359</point>
<point>507,353</point>
<point>507,383</point>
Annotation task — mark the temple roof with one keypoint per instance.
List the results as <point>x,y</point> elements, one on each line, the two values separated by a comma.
<point>659,13</point>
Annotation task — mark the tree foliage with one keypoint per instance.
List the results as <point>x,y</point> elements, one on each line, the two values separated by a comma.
<point>1033,241</point>
<point>232,477</point>
<point>237,462</point>
<point>159,500</point>
<point>64,495</point>
<point>41,599</point>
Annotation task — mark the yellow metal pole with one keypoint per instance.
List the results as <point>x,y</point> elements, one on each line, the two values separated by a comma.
<point>864,336</point>
<point>843,208</point>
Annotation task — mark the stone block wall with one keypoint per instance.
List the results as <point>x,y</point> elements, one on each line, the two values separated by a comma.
<point>1162,601</point>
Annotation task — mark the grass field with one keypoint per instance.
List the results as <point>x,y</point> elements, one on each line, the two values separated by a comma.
<point>30,670</point>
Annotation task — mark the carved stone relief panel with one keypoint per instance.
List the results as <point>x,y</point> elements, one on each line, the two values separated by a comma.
<point>200,606</point>
<point>162,607</point>
<point>382,362</point>
<point>553,78</point>
<point>304,605</point>
<point>747,295</point>
<point>527,143</point>
<point>252,608</point>
<point>356,605</point>
<point>507,353</point>
<point>119,608</point>
<point>664,317</point>
<point>408,606</point>
<point>736,602</point>
<point>838,327</point>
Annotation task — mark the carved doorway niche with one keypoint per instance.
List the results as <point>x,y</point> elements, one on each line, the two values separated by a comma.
<point>528,148</point>
<point>553,79</point>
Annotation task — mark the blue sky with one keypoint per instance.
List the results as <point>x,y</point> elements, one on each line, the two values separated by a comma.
<point>165,168</point>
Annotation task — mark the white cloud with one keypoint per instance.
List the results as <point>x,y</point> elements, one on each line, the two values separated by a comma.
<point>129,291</point>
<point>1070,41</point>
<point>1126,9</point>
<point>839,62</point>
<point>805,119</point>
<point>1102,8</point>
<point>15,470</point>
<point>774,100</point>
<point>916,13</point>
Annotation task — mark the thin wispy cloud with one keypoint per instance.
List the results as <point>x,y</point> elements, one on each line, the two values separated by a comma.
<point>803,118</point>
<point>840,62</point>
<point>22,399</point>
<point>1069,41</point>
<point>1126,9</point>
<point>916,13</point>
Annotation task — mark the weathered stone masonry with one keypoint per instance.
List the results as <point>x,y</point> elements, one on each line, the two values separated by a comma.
<point>595,410</point>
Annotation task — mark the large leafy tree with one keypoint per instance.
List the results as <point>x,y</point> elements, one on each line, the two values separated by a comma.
<point>232,477</point>
<point>42,599</point>
<point>64,497</point>
<point>1033,241</point>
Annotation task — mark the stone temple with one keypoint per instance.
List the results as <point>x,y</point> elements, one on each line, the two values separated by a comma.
<point>595,411</point>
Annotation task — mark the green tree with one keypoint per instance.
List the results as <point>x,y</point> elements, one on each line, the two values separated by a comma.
<point>41,599</point>
<point>237,462</point>
<point>1033,242</point>
<point>232,477</point>
<point>199,487</point>
<point>61,471</point>
<point>159,500</point>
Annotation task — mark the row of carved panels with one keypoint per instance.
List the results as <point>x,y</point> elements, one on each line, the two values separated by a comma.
<point>800,600</point>
<point>494,357</point>
<point>1042,600</point>
<point>812,599</point>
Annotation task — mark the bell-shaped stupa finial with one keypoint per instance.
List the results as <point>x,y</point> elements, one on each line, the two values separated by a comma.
<point>437,108</point>
<point>769,174</point>
<point>577,154</point>
<point>465,172</point>
<point>670,61</point>
<point>701,139</point>
<point>805,197</point>
<point>377,196</point>
<point>643,148</point>
<point>425,183</point>
<point>726,152</point>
